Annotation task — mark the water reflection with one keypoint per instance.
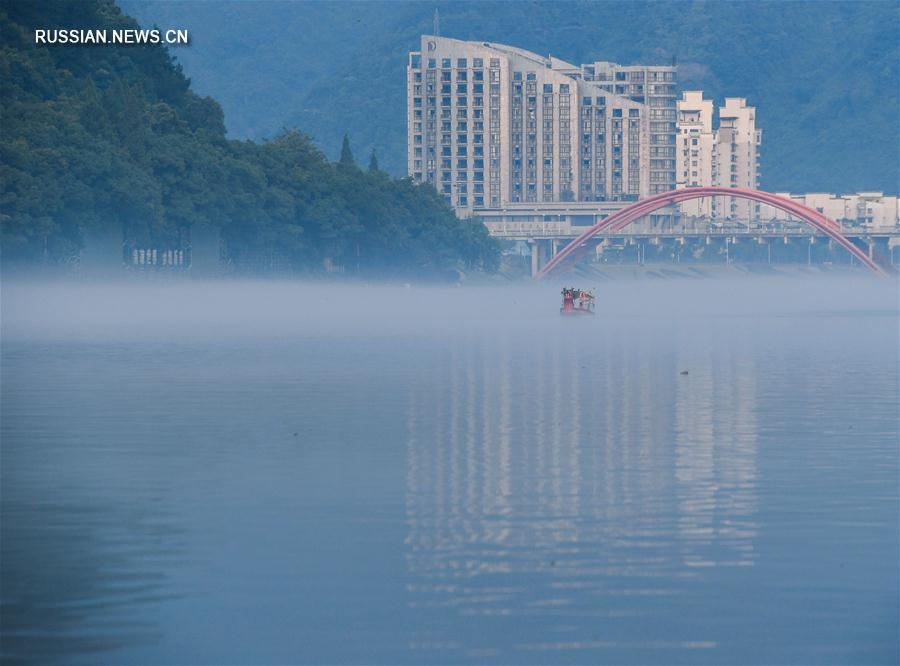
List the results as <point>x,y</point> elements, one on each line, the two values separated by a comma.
<point>571,478</point>
<point>257,484</point>
<point>88,567</point>
<point>84,544</point>
<point>715,464</point>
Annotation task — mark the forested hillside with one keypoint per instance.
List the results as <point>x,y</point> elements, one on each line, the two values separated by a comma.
<point>104,136</point>
<point>824,75</point>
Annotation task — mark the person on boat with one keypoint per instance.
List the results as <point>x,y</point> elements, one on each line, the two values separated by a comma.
<point>568,299</point>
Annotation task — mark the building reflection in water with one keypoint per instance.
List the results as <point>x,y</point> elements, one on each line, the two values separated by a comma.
<point>572,476</point>
<point>716,464</point>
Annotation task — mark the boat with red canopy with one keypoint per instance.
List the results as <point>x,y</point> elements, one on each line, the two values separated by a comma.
<point>577,302</point>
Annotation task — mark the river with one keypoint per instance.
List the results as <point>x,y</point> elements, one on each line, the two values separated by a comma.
<point>272,472</point>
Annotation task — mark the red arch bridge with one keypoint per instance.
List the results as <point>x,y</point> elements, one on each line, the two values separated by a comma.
<point>622,218</point>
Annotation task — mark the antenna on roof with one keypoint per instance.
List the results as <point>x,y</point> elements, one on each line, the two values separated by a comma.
<point>674,60</point>
<point>437,23</point>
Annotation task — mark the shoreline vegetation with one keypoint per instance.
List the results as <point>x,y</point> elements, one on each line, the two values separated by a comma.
<point>100,138</point>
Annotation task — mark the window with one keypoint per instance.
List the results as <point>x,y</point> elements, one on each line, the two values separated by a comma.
<point>633,113</point>
<point>617,113</point>
<point>564,88</point>
<point>586,101</point>
<point>432,63</point>
<point>477,62</point>
<point>445,63</point>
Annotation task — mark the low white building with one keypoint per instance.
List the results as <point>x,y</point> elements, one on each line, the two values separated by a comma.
<point>864,209</point>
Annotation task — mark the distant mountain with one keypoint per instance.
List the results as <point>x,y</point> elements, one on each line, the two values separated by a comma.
<point>824,75</point>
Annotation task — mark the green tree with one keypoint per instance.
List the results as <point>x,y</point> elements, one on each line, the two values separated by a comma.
<point>114,138</point>
<point>346,153</point>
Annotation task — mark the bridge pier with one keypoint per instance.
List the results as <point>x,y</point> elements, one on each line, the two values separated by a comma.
<point>542,251</point>
<point>893,250</point>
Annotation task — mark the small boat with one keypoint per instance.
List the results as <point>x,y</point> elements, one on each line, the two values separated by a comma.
<point>577,302</point>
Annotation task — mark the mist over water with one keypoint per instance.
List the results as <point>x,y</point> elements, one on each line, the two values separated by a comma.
<point>279,472</point>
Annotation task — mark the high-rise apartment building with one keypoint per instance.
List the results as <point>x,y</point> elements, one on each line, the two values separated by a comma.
<point>727,156</point>
<point>737,161</point>
<point>696,150</point>
<point>490,125</point>
<point>654,87</point>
